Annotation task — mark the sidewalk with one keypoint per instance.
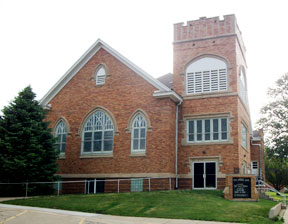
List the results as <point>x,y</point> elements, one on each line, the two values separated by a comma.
<point>14,214</point>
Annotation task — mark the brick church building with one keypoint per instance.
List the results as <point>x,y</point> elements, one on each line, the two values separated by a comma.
<point>112,120</point>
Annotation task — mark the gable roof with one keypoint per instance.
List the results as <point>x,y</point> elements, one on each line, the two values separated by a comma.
<point>87,56</point>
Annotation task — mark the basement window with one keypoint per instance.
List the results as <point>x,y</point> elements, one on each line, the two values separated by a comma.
<point>136,185</point>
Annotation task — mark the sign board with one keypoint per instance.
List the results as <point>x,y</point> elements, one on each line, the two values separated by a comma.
<point>241,187</point>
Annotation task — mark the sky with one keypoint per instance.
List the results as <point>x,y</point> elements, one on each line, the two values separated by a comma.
<point>40,40</point>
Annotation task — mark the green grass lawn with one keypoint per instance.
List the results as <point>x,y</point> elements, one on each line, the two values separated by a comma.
<point>196,205</point>
<point>277,197</point>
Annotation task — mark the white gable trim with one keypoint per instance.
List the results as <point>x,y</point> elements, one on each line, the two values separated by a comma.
<point>171,94</point>
<point>85,58</point>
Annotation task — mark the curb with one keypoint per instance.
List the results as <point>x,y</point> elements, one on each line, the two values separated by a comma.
<point>58,211</point>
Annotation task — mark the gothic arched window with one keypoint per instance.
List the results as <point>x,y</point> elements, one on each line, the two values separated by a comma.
<point>97,134</point>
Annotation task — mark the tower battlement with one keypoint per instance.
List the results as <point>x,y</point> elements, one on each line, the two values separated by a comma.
<point>207,28</point>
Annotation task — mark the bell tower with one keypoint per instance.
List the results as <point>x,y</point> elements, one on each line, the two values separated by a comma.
<point>209,72</point>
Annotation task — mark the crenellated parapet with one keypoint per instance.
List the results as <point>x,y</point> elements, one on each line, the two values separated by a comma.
<point>205,28</point>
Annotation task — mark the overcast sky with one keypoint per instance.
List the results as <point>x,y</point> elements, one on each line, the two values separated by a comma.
<point>40,40</point>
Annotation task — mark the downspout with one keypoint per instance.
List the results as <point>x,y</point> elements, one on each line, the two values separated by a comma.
<point>176,147</point>
<point>260,165</point>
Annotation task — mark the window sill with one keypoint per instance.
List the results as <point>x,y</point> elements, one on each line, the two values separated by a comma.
<point>137,154</point>
<point>210,94</point>
<point>185,143</point>
<point>99,85</point>
<point>96,155</point>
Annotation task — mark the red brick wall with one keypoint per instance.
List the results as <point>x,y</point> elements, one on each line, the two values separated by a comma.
<point>221,39</point>
<point>123,93</point>
<point>255,153</point>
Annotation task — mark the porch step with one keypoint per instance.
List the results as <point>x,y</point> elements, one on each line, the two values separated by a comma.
<point>265,196</point>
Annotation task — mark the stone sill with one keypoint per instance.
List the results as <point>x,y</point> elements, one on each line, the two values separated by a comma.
<point>208,143</point>
<point>100,155</point>
<point>139,154</point>
<point>207,95</point>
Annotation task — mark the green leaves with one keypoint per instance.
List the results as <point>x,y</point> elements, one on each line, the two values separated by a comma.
<point>274,121</point>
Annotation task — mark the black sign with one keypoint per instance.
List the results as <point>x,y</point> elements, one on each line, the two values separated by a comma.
<point>241,187</point>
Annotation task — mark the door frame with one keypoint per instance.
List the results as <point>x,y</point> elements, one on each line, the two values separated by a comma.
<point>255,169</point>
<point>216,171</point>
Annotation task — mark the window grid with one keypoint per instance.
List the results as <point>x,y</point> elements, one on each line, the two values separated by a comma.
<point>207,130</point>
<point>206,81</point>
<point>138,134</point>
<point>60,134</point>
<point>98,134</point>
<point>136,185</point>
<point>255,165</point>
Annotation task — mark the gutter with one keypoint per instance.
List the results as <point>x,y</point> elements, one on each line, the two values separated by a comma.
<point>170,94</point>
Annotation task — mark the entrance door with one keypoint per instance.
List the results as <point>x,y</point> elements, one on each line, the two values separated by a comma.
<point>198,175</point>
<point>254,166</point>
<point>204,175</point>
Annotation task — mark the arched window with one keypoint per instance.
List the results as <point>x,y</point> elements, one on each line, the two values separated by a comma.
<point>138,134</point>
<point>242,87</point>
<point>100,75</point>
<point>206,75</point>
<point>60,134</point>
<point>98,133</point>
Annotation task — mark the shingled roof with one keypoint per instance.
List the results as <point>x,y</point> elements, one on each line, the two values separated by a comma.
<point>167,80</point>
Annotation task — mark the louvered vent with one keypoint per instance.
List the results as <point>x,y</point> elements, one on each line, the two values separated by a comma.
<point>190,83</point>
<point>100,80</point>
<point>206,81</point>
<point>205,75</point>
<point>100,75</point>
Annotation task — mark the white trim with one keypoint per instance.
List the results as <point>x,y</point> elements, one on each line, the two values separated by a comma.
<point>252,167</point>
<point>203,133</point>
<point>61,124</point>
<point>100,78</point>
<point>93,131</point>
<point>86,57</point>
<point>171,94</point>
<point>138,150</point>
<point>206,75</point>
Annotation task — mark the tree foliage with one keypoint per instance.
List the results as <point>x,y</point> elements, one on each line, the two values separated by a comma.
<point>274,121</point>
<point>276,172</point>
<point>27,151</point>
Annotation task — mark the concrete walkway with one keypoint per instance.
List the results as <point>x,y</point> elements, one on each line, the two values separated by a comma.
<point>12,214</point>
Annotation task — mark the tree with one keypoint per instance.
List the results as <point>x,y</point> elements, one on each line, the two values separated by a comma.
<point>274,121</point>
<point>276,172</point>
<point>27,146</point>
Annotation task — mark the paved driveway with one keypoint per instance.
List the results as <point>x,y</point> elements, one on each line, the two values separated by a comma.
<point>10,214</point>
